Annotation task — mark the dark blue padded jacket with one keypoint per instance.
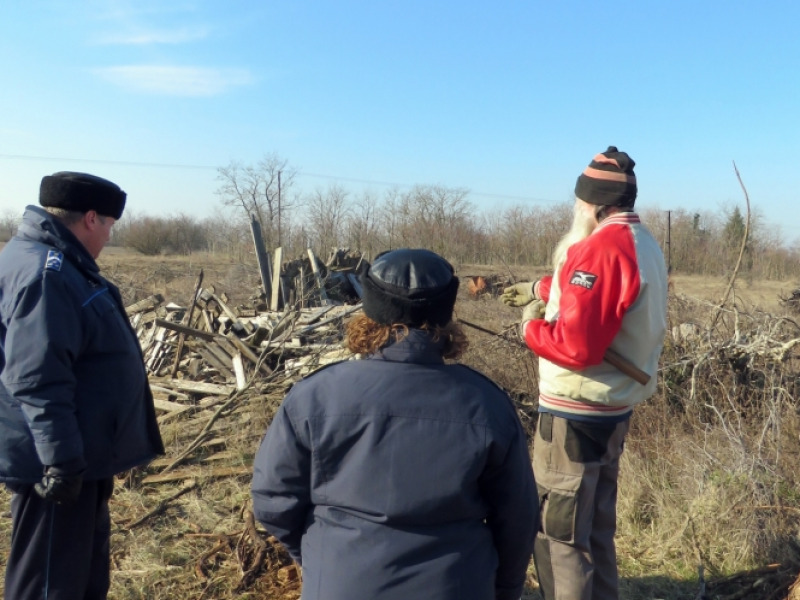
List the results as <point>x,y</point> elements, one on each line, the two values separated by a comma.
<point>397,477</point>
<point>73,387</point>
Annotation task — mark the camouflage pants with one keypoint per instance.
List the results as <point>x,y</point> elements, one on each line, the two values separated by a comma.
<point>576,467</point>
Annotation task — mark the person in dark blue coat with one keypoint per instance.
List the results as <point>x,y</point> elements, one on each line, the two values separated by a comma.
<point>400,475</point>
<point>75,404</point>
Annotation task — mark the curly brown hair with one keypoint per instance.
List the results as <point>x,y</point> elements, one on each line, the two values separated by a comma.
<point>365,336</point>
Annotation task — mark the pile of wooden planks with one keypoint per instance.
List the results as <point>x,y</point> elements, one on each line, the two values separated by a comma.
<point>211,341</point>
<point>209,363</point>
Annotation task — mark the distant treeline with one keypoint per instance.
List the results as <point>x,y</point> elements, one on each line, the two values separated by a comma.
<point>444,220</point>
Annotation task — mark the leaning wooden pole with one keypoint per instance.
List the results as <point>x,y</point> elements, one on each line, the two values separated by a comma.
<point>261,257</point>
<point>181,337</point>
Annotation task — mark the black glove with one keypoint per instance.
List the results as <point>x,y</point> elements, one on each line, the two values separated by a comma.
<point>59,486</point>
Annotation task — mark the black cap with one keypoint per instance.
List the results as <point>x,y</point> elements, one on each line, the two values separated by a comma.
<point>413,287</point>
<point>82,192</point>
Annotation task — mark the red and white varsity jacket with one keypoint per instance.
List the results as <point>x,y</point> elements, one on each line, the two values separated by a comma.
<point>611,292</point>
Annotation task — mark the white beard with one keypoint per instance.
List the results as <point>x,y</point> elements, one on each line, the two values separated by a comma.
<point>583,224</point>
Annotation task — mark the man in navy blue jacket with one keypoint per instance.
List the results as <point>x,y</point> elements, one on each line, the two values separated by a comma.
<point>401,476</point>
<point>75,404</point>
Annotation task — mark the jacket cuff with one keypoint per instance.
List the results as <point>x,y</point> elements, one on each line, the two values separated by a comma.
<point>70,468</point>
<point>68,452</point>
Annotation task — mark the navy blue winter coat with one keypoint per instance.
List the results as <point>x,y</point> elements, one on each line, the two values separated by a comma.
<point>73,388</point>
<point>399,477</point>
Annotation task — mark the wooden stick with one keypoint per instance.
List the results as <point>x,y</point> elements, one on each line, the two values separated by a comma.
<point>611,357</point>
<point>614,358</point>
<point>163,504</point>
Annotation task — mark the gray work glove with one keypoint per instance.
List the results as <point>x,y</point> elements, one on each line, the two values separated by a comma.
<point>59,486</point>
<point>534,310</point>
<point>518,294</point>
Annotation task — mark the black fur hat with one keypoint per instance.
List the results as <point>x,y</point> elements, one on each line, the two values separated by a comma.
<point>409,286</point>
<point>82,192</point>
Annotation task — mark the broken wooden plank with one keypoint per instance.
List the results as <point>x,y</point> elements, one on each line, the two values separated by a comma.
<point>310,316</point>
<point>202,405</point>
<point>208,319</point>
<point>224,342</point>
<point>276,279</point>
<point>161,390</point>
<point>171,416</point>
<point>168,406</point>
<point>189,331</point>
<point>317,277</point>
<point>239,372</point>
<point>231,455</point>
<point>199,387</point>
<point>339,315</point>
<point>199,473</point>
<point>159,463</point>
<point>309,363</point>
<point>210,355</point>
<point>261,256</point>
<point>145,304</point>
<point>284,325</point>
<point>182,336</point>
<point>157,350</point>
<point>211,458</point>
<point>237,323</point>
<point>248,353</point>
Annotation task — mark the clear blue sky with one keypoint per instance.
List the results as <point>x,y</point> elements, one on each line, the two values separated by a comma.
<point>508,99</point>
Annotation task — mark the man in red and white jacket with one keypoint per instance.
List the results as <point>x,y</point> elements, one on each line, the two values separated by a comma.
<point>608,293</point>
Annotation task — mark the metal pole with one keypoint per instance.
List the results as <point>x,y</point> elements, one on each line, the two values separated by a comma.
<point>669,244</point>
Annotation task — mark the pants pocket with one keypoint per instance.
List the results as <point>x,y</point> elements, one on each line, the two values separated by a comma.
<point>585,443</point>
<point>545,427</point>
<point>557,515</point>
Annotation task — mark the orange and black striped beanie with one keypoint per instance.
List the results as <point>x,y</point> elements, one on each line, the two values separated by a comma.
<point>609,180</point>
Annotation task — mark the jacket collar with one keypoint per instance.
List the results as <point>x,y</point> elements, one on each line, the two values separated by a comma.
<point>620,218</point>
<point>417,347</point>
<point>38,225</point>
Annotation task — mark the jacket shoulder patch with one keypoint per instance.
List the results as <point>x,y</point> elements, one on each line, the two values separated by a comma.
<point>583,279</point>
<point>55,259</point>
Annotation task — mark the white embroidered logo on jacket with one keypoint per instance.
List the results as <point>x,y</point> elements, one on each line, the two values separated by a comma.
<point>583,279</point>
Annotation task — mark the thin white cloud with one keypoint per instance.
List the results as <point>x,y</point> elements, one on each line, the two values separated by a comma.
<point>176,81</point>
<point>164,36</point>
<point>132,10</point>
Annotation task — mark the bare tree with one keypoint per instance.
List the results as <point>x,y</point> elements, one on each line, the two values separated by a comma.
<point>260,190</point>
<point>187,234</point>
<point>390,215</point>
<point>9,221</point>
<point>229,237</point>
<point>148,235</point>
<point>327,213</point>
<point>362,225</point>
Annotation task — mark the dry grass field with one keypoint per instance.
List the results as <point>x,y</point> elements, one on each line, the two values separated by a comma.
<point>709,476</point>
